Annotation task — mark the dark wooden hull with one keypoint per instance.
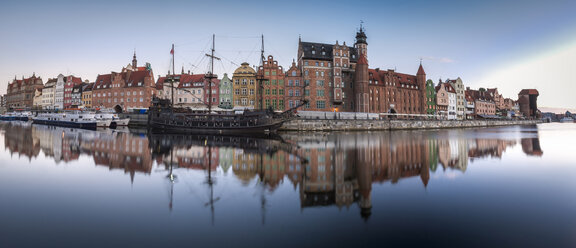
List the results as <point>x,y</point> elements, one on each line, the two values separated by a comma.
<point>212,127</point>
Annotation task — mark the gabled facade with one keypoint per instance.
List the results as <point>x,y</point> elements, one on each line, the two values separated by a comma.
<point>272,90</point>
<point>498,99</point>
<point>430,97</point>
<point>76,96</point>
<point>245,87</point>
<point>48,94</point>
<point>446,101</point>
<point>37,102</point>
<point>69,83</point>
<point>87,95</point>
<point>59,92</point>
<point>458,86</point>
<point>294,86</point>
<point>20,93</point>
<point>226,92</point>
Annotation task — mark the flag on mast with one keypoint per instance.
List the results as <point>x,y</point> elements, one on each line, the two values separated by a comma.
<point>172,50</point>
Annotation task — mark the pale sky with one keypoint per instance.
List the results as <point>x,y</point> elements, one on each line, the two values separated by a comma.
<point>506,44</point>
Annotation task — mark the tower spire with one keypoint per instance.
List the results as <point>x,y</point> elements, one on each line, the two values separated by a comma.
<point>134,61</point>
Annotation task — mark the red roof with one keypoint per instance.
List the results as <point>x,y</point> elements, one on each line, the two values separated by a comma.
<point>449,87</point>
<point>105,79</point>
<point>184,79</point>
<point>420,70</point>
<point>136,77</point>
<point>380,75</point>
<point>529,92</point>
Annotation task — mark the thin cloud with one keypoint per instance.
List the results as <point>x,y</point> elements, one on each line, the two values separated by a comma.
<point>439,59</point>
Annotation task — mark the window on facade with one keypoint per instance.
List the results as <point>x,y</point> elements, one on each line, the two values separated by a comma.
<point>244,91</point>
<point>306,73</point>
<point>251,91</point>
<point>320,82</point>
<point>320,104</point>
<point>297,93</point>
<point>307,92</point>
<point>320,93</point>
<point>293,73</point>
<point>237,91</point>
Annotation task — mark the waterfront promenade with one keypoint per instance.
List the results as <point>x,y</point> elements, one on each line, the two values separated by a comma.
<point>373,125</point>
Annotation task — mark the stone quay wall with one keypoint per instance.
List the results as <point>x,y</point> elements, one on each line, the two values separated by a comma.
<point>372,125</point>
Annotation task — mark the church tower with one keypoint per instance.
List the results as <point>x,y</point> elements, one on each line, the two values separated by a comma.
<point>421,81</point>
<point>134,62</point>
<point>361,74</point>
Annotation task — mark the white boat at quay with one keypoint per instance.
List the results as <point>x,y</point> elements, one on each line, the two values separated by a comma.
<point>567,119</point>
<point>16,116</point>
<point>114,119</point>
<point>68,119</point>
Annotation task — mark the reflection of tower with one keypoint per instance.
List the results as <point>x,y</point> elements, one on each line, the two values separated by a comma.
<point>364,175</point>
<point>531,146</point>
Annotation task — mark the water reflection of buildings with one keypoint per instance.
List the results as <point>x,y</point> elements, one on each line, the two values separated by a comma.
<point>327,169</point>
<point>113,149</point>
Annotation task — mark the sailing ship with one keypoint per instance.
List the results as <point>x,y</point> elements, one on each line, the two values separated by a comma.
<point>163,116</point>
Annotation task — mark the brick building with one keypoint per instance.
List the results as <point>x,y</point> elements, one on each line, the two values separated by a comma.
<point>328,74</point>
<point>527,101</point>
<point>294,86</point>
<point>20,93</point>
<point>337,77</point>
<point>132,88</point>
<point>272,88</point>
<point>69,83</point>
<point>484,105</point>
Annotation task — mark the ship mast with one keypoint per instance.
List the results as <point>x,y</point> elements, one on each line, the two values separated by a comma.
<point>261,77</point>
<point>210,75</point>
<point>172,81</point>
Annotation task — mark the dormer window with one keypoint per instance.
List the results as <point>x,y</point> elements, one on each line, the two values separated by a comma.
<point>139,83</point>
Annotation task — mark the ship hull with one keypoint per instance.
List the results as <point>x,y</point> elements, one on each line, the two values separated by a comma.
<point>87,125</point>
<point>214,128</point>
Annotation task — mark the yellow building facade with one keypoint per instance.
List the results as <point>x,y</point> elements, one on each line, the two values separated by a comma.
<point>244,87</point>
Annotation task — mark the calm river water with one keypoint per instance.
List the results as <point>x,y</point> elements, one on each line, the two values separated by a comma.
<point>486,187</point>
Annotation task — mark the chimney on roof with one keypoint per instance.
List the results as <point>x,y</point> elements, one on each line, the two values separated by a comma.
<point>182,69</point>
<point>378,69</point>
